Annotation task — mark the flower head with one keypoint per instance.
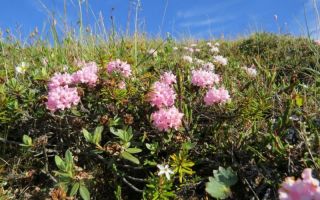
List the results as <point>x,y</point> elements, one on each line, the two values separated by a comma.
<point>153,52</point>
<point>60,80</point>
<point>204,78</point>
<point>22,68</point>
<point>162,95</point>
<point>168,78</point>
<point>216,96</point>
<point>220,60</point>
<point>251,71</point>
<point>164,170</point>
<point>214,49</point>
<point>167,118</point>
<point>119,67</point>
<point>88,74</point>
<point>62,98</point>
<point>187,59</point>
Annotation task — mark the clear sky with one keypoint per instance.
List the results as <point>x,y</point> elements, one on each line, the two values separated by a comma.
<point>181,18</point>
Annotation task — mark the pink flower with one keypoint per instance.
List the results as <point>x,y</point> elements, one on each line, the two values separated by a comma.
<point>220,60</point>
<point>122,85</point>
<point>168,78</point>
<point>203,78</point>
<point>162,95</point>
<point>88,74</point>
<point>59,80</point>
<point>216,96</point>
<point>62,98</point>
<point>305,188</point>
<point>119,67</point>
<point>165,119</point>
<point>317,42</point>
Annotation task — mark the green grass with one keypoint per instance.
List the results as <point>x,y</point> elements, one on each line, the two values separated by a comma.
<point>253,134</point>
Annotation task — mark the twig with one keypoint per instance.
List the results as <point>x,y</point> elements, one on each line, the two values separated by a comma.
<point>136,179</point>
<point>254,193</point>
<point>50,176</point>
<point>131,185</point>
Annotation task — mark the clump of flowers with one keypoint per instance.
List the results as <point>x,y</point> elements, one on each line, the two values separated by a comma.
<point>220,60</point>
<point>60,80</point>
<point>167,118</point>
<point>162,95</point>
<point>198,61</point>
<point>62,98</point>
<point>208,66</point>
<point>187,59</point>
<point>204,78</point>
<point>168,78</point>
<point>120,67</point>
<point>305,188</point>
<point>214,49</point>
<point>214,96</point>
<point>87,75</point>
<point>251,71</point>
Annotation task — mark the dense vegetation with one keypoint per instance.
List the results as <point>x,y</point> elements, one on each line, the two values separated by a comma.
<point>108,146</point>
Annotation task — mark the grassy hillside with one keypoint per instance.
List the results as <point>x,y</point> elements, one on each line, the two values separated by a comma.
<point>107,144</point>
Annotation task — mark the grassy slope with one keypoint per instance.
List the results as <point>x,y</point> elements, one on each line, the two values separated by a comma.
<point>253,134</point>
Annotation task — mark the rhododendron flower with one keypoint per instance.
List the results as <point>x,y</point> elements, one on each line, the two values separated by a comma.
<point>187,58</point>
<point>165,170</point>
<point>122,85</point>
<point>305,188</point>
<point>88,74</point>
<point>221,60</point>
<point>198,61</point>
<point>167,118</point>
<point>208,66</point>
<point>168,78</point>
<point>162,95</point>
<point>216,96</point>
<point>214,49</point>
<point>119,67</point>
<point>203,78</point>
<point>251,71</point>
<point>153,52</point>
<point>61,98</point>
<point>60,80</point>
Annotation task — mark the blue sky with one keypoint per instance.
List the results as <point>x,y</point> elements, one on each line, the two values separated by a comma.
<point>181,18</point>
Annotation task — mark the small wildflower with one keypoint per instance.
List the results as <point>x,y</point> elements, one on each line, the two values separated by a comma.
<point>22,68</point>
<point>214,49</point>
<point>203,78</point>
<point>251,71</point>
<point>168,78</point>
<point>187,59</point>
<point>165,119</point>
<point>153,52</point>
<point>165,170</point>
<point>120,67</point>
<point>216,96</point>
<point>221,60</point>
<point>162,95</point>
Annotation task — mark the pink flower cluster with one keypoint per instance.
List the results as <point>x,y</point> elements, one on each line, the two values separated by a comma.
<point>163,97</point>
<point>306,188</point>
<point>167,118</point>
<point>62,97</point>
<point>88,74</point>
<point>120,67</point>
<point>204,78</point>
<point>60,80</point>
<point>216,96</point>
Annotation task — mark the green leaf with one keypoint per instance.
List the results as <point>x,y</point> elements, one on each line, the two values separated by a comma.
<point>74,189</point>
<point>59,162</point>
<point>87,135</point>
<point>217,189</point>
<point>97,135</point>
<point>84,192</point>
<point>68,157</point>
<point>130,157</point>
<point>133,150</point>
<point>27,140</point>
<point>226,176</point>
<point>299,100</point>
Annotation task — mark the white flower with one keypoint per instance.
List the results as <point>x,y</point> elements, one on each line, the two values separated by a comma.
<point>193,45</point>
<point>190,50</point>
<point>165,170</point>
<point>187,58</point>
<point>175,48</point>
<point>251,71</point>
<point>208,66</point>
<point>209,44</point>
<point>221,60</point>
<point>153,52</point>
<point>197,50</point>
<point>21,68</point>
<point>216,44</point>
<point>214,49</point>
<point>198,61</point>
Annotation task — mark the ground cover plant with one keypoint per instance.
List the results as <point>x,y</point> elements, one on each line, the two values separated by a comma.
<point>139,118</point>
